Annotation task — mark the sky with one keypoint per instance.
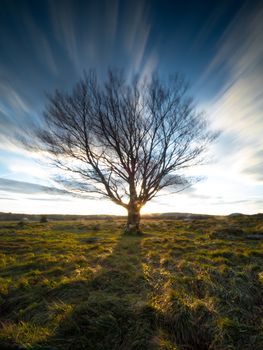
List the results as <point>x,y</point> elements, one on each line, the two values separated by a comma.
<point>216,45</point>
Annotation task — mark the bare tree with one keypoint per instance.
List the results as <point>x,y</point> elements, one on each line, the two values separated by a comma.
<point>124,140</point>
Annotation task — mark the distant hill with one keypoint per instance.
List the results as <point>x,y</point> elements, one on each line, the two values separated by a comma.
<point>236,214</point>
<point>164,216</point>
<point>52,217</point>
<point>185,216</point>
<point>61,217</point>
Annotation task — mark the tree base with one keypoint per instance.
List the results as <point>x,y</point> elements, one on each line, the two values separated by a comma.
<point>132,230</point>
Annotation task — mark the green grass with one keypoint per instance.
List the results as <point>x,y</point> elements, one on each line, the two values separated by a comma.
<point>183,285</point>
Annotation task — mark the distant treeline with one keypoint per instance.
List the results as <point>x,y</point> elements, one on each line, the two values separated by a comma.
<point>52,217</point>
<point>156,216</point>
<point>61,217</point>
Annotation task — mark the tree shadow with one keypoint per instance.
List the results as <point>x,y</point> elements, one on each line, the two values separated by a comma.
<point>114,309</point>
<point>113,313</point>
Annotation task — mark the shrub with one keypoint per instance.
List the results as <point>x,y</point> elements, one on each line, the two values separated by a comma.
<point>43,219</point>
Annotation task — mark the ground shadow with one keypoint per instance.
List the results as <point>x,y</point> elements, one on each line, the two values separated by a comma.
<point>113,313</point>
<point>114,310</point>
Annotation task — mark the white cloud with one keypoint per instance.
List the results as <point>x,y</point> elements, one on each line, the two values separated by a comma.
<point>238,107</point>
<point>12,98</point>
<point>234,180</point>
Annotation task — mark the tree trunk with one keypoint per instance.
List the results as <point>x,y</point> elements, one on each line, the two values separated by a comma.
<point>133,222</point>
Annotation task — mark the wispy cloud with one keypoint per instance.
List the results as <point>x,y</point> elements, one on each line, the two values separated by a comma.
<point>7,198</point>
<point>12,124</point>
<point>208,28</point>
<point>40,43</point>
<point>12,98</point>
<point>14,186</point>
<point>62,14</point>
<point>40,53</point>
<point>136,36</point>
<point>238,108</point>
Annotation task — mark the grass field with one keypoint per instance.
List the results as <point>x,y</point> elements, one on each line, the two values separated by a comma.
<point>83,285</point>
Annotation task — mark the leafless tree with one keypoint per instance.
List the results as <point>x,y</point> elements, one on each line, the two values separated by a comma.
<point>124,139</point>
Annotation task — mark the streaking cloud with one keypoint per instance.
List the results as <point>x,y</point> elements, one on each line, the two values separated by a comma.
<point>238,107</point>
<point>218,46</point>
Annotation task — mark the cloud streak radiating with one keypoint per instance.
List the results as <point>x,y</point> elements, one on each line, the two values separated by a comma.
<point>46,45</point>
<point>238,107</point>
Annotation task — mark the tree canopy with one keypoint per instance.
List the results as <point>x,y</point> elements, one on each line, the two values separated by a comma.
<point>124,139</point>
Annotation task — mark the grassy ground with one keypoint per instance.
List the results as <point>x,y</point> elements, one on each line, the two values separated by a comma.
<point>83,285</point>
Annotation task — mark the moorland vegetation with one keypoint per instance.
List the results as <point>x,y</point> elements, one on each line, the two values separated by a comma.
<point>183,284</point>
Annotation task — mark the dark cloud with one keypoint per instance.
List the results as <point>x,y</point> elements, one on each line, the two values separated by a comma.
<point>192,193</point>
<point>7,198</point>
<point>255,167</point>
<point>28,188</point>
<point>255,170</point>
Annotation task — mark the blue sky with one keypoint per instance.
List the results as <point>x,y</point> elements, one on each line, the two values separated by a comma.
<point>217,45</point>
